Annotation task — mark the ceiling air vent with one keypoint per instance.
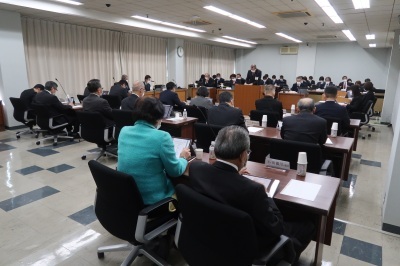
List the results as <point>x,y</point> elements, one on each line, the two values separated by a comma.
<point>326,37</point>
<point>293,14</point>
<point>198,22</point>
<point>289,50</point>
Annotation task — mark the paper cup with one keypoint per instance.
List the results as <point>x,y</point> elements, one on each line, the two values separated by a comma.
<point>177,115</point>
<point>279,126</point>
<point>335,126</point>
<point>199,154</point>
<point>264,118</point>
<point>302,159</point>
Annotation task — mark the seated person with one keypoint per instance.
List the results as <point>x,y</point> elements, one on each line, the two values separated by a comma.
<point>320,83</point>
<point>93,102</point>
<point>48,97</point>
<point>344,84</point>
<point>358,82</point>
<point>305,126</point>
<point>170,97</point>
<point>223,182</point>
<point>28,95</point>
<point>299,84</point>
<point>311,80</point>
<point>327,83</point>
<point>268,103</point>
<point>125,77</point>
<point>282,81</point>
<point>120,89</point>
<point>225,114</point>
<point>218,80</point>
<point>369,96</point>
<point>357,100</point>
<point>148,154</point>
<point>231,82</point>
<point>266,80</point>
<point>331,109</point>
<point>239,79</point>
<point>200,99</point>
<point>146,82</point>
<point>138,90</point>
<point>208,81</point>
<point>86,92</point>
<point>275,82</point>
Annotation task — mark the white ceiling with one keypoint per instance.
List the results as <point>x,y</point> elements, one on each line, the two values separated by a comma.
<point>381,19</point>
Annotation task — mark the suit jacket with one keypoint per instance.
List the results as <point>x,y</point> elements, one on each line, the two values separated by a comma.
<point>266,82</point>
<point>369,96</point>
<point>281,82</point>
<point>56,107</point>
<point>268,103</point>
<point>305,127</point>
<point>224,184</point>
<point>321,85</point>
<point>146,86</point>
<point>129,102</point>
<point>251,77</point>
<point>294,87</point>
<point>240,81</point>
<point>334,110</point>
<point>324,85</point>
<point>355,105</point>
<point>93,103</point>
<point>27,97</point>
<point>348,85</point>
<point>210,83</point>
<point>219,81</point>
<point>201,101</point>
<point>169,97</point>
<point>226,115</point>
<point>119,91</point>
<point>86,92</point>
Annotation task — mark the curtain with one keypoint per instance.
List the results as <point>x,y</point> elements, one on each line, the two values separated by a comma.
<point>203,58</point>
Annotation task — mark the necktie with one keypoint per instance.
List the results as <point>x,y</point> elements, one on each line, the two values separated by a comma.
<point>345,85</point>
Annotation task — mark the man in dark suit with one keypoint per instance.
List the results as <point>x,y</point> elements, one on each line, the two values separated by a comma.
<point>223,182</point>
<point>344,84</point>
<point>268,103</point>
<point>282,81</point>
<point>125,77</point>
<point>93,102</point>
<point>305,126</point>
<point>47,97</point>
<point>321,83</point>
<point>328,83</point>
<point>209,81</point>
<point>369,96</point>
<point>138,91</point>
<point>120,89</point>
<point>28,95</point>
<point>218,80</point>
<point>225,114</point>
<point>146,82</point>
<point>266,80</point>
<point>331,109</point>
<point>239,79</point>
<point>253,75</point>
<point>300,84</point>
<point>169,97</point>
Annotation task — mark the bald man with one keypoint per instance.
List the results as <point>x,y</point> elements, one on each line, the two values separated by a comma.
<point>138,91</point>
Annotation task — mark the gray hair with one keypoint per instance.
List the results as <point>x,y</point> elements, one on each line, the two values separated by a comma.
<point>231,142</point>
<point>269,89</point>
<point>137,85</point>
<point>306,105</point>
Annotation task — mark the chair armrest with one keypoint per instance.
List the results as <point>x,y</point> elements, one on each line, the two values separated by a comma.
<point>326,166</point>
<point>290,254</point>
<point>51,126</point>
<point>106,133</point>
<point>146,211</point>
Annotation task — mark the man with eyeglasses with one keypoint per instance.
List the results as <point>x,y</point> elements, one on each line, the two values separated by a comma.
<point>223,182</point>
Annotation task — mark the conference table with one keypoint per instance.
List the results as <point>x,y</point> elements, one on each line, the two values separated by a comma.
<point>181,128</point>
<point>323,207</point>
<point>341,148</point>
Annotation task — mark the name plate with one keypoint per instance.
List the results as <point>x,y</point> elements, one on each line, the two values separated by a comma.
<point>274,163</point>
<point>252,123</point>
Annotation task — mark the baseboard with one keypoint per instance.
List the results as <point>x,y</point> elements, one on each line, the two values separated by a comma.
<point>391,228</point>
<point>16,127</point>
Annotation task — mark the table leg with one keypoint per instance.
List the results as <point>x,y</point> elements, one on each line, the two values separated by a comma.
<point>355,136</point>
<point>320,241</point>
<point>187,131</point>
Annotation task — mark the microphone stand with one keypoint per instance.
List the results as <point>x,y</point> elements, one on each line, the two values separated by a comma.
<point>68,99</point>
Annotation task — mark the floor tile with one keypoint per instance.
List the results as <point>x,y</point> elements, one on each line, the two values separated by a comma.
<point>370,163</point>
<point>64,143</point>
<point>6,147</point>
<point>339,227</point>
<point>29,170</point>
<point>60,168</point>
<point>85,216</point>
<point>8,140</point>
<point>356,156</point>
<point>351,181</point>
<point>27,198</point>
<point>361,250</point>
<point>43,151</point>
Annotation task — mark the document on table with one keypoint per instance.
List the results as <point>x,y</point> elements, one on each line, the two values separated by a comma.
<point>180,144</point>
<point>175,118</point>
<point>254,129</point>
<point>270,185</point>
<point>301,189</point>
<point>76,106</point>
<point>328,141</point>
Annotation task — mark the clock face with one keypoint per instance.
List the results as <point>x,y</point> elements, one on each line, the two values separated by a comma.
<point>179,50</point>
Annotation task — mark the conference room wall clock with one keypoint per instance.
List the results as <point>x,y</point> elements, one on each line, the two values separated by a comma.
<point>180,51</point>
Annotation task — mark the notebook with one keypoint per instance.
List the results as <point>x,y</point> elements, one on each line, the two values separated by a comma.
<point>271,185</point>
<point>180,144</point>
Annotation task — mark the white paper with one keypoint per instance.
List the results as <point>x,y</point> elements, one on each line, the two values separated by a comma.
<point>329,141</point>
<point>179,145</point>
<point>254,129</point>
<point>301,189</point>
<point>175,118</point>
<point>76,106</point>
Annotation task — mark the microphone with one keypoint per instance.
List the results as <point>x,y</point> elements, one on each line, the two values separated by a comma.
<point>63,89</point>
<point>114,79</point>
<point>205,118</point>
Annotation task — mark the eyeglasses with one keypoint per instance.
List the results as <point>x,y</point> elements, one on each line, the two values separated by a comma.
<point>248,152</point>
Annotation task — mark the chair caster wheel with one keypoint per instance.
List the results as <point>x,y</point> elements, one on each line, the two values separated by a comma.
<point>100,255</point>
<point>369,135</point>
<point>84,158</point>
<point>37,142</point>
<point>363,137</point>
<point>373,129</point>
<point>55,144</point>
<point>18,137</point>
<point>37,136</point>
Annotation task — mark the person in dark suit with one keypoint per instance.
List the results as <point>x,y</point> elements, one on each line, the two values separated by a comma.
<point>239,79</point>
<point>225,114</point>
<point>253,75</point>
<point>223,181</point>
<point>268,103</point>
<point>311,80</point>
<point>282,81</point>
<point>138,91</point>
<point>120,89</point>
<point>125,77</point>
<point>47,97</point>
<point>331,109</point>
<point>321,83</point>
<point>299,84</point>
<point>169,97</point>
<point>356,101</point>
<point>28,95</point>
<point>209,81</point>
<point>305,126</point>
<point>328,83</point>
<point>344,84</point>
<point>146,82</point>
<point>266,80</point>
<point>369,96</point>
<point>275,82</point>
<point>93,102</point>
<point>219,80</point>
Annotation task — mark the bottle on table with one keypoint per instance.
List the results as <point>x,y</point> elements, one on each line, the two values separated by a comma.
<point>184,114</point>
<point>211,151</point>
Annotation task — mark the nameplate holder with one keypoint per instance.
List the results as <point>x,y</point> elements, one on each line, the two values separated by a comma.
<point>274,163</point>
<point>252,123</point>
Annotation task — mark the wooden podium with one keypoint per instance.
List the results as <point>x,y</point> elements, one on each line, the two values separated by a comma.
<point>245,96</point>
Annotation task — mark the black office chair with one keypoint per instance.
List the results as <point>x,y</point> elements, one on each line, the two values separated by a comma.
<point>95,130</point>
<point>365,115</point>
<point>205,133</point>
<point>52,125</point>
<point>212,233</point>
<point>287,150</point>
<point>113,100</point>
<point>120,210</point>
<point>122,118</point>
<point>197,111</point>
<point>80,97</point>
<point>25,116</point>
<point>273,117</point>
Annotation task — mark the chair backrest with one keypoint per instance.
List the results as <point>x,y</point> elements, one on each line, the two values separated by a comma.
<point>197,111</point>
<point>113,100</point>
<point>330,121</point>
<point>122,118</point>
<point>205,133</point>
<point>118,201</point>
<point>273,117</point>
<point>92,126</point>
<point>288,150</point>
<point>371,110</point>
<point>213,233</point>
<point>19,109</point>
<point>43,116</point>
<point>80,97</point>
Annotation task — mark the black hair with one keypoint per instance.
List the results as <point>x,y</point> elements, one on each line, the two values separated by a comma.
<point>355,90</point>
<point>202,91</point>
<point>170,85</point>
<point>330,92</point>
<point>50,84</point>
<point>93,85</point>
<point>321,78</point>
<point>148,109</point>
<point>122,82</point>
<point>225,97</point>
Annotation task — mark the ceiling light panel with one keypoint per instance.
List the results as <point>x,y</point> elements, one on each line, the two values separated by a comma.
<point>287,37</point>
<point>240,40</point>
<point>361,4</point>
<point>349,35</point>
<point>372,45</point>
<point>329,10</point>
<point>370,36</point>
<point>167,23</point>
<point>70,2</point>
